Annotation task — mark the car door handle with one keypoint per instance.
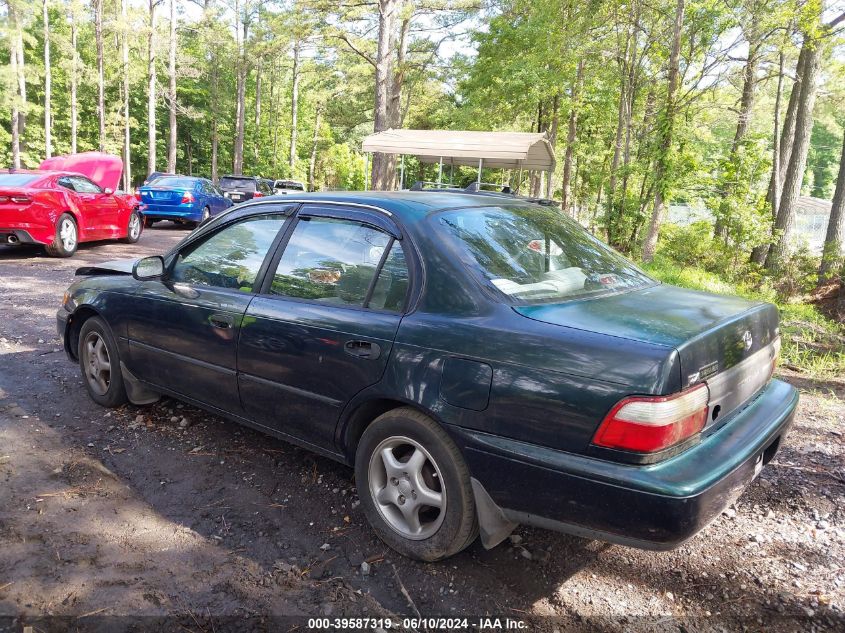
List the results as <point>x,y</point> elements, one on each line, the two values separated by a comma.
<point>222,321</point>
<point>362,349</point>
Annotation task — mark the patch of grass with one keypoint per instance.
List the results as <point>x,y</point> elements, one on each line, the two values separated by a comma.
<point>811,343</point>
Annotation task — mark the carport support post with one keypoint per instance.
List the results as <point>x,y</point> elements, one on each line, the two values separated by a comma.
<point>440,172</point>
<point>480,166</point>
<point>402,172</point>
<point>366,171</point>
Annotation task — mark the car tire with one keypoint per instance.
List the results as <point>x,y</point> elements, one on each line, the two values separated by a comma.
<point>134,228</point>
<point>403,459</point>
<point>206,213</point>
<point>148,222</point>
<point>66,240</point>
<point>99,362</point>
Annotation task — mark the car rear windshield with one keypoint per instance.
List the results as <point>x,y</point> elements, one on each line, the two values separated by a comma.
<point>535,254</point>
<point>241,184</point>
<point>17,180</point>
<point>173,181</point>
<point>287,184</point>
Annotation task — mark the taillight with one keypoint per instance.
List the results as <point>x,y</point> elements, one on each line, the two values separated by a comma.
<point>20,199</point>
<point>647,424</point>
<point>4,199</point>
<point>187,197</point>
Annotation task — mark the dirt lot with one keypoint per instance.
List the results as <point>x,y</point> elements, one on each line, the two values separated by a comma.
<point>165,510</point>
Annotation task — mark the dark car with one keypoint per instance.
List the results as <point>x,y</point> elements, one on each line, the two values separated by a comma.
<point>184,199</point>
<point>481,362</point>
<point>243,188</point>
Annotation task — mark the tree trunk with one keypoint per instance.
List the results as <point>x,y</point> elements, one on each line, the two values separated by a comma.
<point>240,96</point>
<point>294,109</point>
<point>798,158</point>
<point>21,68</point>
<point>151,90</point>
<point>127,162</point>
<point>101,77</point>
<point>380,176</point>
<point>661,176</point>
<point>553,141</point>
<point>617,142</point>
<point>759,254</point>
<point>835,237</point>
<point>171,94</point>
<point>48,80</point>
<point>74,80</point>
<point>256,144</point>
<point>746,105</point>
<point>571,135</point>
<point>312,163</point>
<point>215,140</point>
<point>13,62</point>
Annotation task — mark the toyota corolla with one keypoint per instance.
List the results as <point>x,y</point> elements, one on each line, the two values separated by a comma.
<point>480,362</point>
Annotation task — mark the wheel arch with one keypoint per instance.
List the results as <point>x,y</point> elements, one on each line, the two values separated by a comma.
<point>74,327</point>
<point>362,414</point>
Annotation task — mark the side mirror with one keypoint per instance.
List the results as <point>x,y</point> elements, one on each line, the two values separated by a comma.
<point>108,192</point>
<point>148,268</point>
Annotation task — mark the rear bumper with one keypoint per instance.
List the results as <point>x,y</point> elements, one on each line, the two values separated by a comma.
<point>171,212</point>
<point>20,236</point>
<point>654,506</point>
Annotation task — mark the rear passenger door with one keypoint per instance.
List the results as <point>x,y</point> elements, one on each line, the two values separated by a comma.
<point>323,326</point>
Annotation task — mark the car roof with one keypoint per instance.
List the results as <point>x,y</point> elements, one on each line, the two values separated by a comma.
<point>406,204</point>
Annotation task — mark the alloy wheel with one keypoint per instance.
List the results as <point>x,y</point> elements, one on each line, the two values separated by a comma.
<point>67,234</point>
<point>407,487</point>
<point>97,363</point>
<point>134,226</point>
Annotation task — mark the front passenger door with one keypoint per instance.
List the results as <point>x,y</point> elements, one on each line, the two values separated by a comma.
<point>183,336</point>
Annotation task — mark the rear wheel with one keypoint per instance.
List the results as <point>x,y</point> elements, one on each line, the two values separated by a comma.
<point>415,487</point>
<point>99,361</point>
<point>133,229</point>
<point>66,240</point>
<point>206,213</point>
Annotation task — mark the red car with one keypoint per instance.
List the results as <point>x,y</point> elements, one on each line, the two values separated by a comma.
<point>70,200</point>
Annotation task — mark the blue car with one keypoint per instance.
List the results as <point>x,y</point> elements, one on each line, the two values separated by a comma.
<point>183,199</point>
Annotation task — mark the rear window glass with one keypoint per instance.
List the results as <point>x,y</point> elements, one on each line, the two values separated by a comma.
<point>172,181</point>
<point>241,184</point>
<point>17,180</point>
<point>535,254</point>
<point>287,184</point>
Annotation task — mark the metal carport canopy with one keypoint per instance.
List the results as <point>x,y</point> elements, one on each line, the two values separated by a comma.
<point>500,150</point>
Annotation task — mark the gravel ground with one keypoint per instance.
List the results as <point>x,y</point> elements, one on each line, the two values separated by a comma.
<point>166,510</point>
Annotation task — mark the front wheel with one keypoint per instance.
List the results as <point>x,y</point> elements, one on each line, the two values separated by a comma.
<point>66,240</point>
<point>415,486</point>
<point>99,362</point>
<point>133,228</point>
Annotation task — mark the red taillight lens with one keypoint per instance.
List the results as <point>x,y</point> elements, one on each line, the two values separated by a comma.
<point>4,199</point>
<point>187,197</point>
<point>20,199</point>
<point>647,424</point>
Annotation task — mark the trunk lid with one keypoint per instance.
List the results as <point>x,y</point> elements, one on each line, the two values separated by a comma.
<point>161,195</point>
<point>711,333</point>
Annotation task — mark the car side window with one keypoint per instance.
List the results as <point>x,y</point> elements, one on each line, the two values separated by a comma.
<point>83,185</point>
<point>67,183</point>
<point>231,257</point>
<point>330,260</point>
<point>392,284</point>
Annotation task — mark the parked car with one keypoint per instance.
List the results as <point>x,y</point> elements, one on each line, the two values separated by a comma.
<point>59,209</point>
<point>288,186</point>
<point>243,188</point>
<point>183,199</point>
<point>479,360</point>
